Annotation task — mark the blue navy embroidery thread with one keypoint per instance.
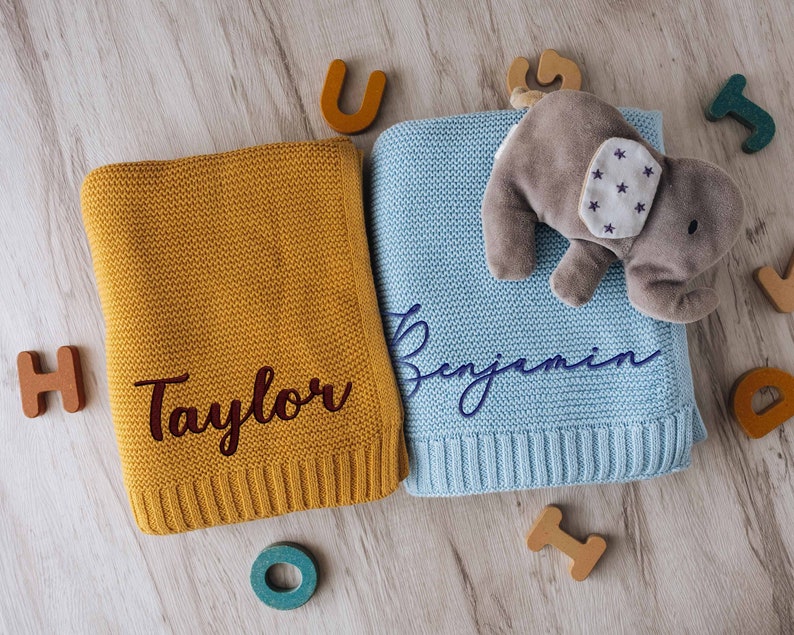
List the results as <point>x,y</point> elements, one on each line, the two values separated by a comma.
<point>488,374</point>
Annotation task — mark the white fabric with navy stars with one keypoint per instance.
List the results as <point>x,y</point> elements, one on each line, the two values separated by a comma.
<point>619,189</point>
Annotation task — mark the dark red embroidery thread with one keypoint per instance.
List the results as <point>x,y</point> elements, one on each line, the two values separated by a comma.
<point>286,407</point>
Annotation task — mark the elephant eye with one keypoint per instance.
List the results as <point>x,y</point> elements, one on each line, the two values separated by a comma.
<point>693,227</point>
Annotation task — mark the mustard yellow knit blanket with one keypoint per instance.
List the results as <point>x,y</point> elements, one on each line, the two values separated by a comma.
<point>247,367</point>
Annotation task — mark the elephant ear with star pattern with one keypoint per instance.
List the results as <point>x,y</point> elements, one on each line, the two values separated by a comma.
<point>619,189</point>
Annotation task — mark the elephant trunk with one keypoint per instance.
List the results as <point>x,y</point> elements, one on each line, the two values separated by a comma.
<point>665,299</point>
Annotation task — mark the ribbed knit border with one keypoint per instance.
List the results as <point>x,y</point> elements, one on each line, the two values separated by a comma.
<point>371,472</point>
<point>488,462</point>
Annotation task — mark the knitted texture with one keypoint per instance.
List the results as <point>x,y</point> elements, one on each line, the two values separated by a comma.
<point>503,385</point>
<point>235,279</point>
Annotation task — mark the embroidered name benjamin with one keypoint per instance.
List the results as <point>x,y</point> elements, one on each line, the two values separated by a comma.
<point>413,334</point>
<point>286,406</point>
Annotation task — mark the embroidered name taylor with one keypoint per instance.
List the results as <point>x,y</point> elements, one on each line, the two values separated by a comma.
<point>286,406</point>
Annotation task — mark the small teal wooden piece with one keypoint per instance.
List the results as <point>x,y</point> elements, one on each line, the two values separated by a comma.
<point>274,596</point>
<point>730,101</point>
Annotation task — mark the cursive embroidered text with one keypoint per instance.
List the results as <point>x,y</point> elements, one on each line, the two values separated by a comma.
<point>286,406</point>
<point>412,335</point>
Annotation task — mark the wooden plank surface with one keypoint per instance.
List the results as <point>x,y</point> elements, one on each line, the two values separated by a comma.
<point>87,83</point>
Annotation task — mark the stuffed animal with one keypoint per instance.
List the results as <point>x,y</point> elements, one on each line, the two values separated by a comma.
<point>574,163</point>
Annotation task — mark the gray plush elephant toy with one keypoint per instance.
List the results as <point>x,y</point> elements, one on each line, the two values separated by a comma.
<point>574,163</point>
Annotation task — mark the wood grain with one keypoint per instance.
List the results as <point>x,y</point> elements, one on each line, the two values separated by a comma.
<point>87,83</point>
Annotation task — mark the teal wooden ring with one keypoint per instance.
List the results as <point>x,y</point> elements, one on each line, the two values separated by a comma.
<point>277,597</point>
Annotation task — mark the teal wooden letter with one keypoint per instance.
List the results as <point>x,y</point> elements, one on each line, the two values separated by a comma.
<point>730,101</point>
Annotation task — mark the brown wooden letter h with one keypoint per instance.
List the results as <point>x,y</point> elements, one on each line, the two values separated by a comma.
<point>68,379</point>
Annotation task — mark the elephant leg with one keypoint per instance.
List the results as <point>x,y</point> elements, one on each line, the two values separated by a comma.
<point>508,225</point>
<point>581,269</point>
<point>668,300</point>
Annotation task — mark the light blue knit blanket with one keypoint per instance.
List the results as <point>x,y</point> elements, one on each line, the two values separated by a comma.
<point>504,386</point>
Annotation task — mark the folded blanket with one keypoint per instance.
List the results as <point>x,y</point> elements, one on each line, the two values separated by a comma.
<point>504,386</point>
<point>247,366</point>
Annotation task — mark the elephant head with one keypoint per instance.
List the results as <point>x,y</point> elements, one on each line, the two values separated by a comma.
<point>695,219</point>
